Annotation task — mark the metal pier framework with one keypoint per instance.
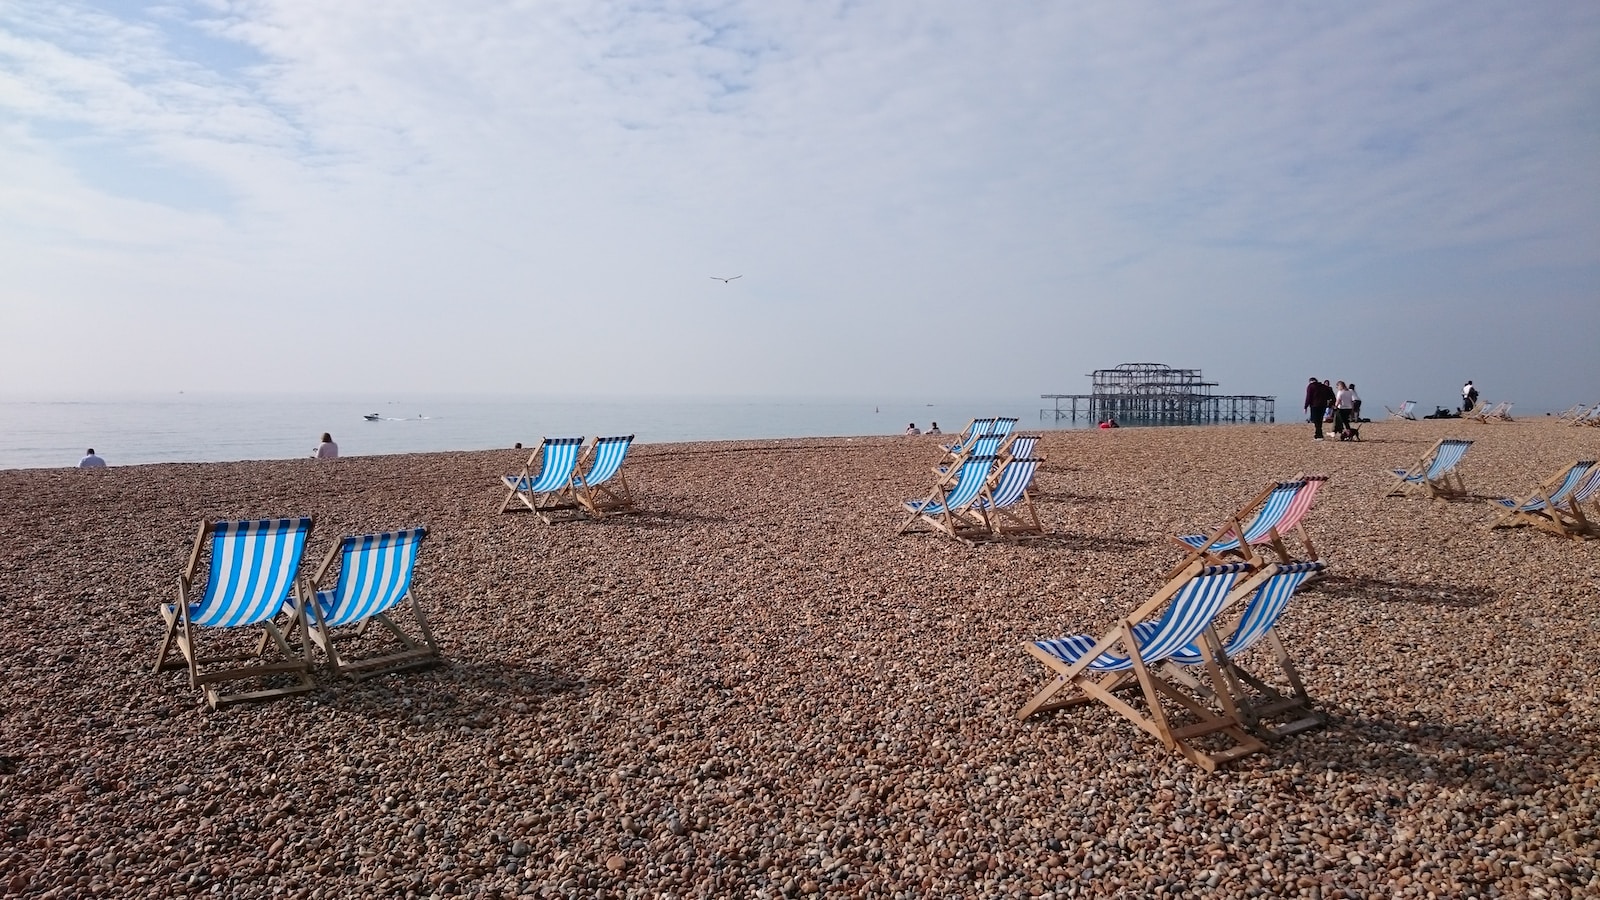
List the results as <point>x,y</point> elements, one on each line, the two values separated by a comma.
<point>1157,394</point>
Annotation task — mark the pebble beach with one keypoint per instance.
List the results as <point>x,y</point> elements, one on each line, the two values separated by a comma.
<point>754,688</point>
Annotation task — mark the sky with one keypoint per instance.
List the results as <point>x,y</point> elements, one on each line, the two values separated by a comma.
<point>922,197</point>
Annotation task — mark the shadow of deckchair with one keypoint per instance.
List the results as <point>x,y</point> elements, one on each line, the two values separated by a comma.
<point>1467,753</point>
<point>458,692</point>
<point>1384,591</point>
<point>1091,542</point>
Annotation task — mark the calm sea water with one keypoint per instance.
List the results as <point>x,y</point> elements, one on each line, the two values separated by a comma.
<point>42,433</point>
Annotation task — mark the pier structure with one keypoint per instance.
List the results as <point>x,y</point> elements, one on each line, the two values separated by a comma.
<point>1157,394</point>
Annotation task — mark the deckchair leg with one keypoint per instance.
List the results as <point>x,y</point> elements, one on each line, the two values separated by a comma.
<point>166,641</point>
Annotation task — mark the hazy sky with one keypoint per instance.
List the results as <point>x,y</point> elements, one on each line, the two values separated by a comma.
<point>922,196</point>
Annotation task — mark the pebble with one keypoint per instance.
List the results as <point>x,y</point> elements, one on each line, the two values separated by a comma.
<point>754,688</point>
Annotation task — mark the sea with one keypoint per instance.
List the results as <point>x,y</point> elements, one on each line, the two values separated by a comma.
<point>40,432</point>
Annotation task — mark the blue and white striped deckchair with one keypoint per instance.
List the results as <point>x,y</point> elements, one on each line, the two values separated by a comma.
<point>603,488</point>
<point>551,489</point>
<point>1552,505</point>
<point>1406,411</point>
<point>375,576</point>
<point>946,509</point>
<point>1086,668</point>
<point>1004,503</point>
<point>1435,473</point>
<point>1267,510</point>
<point>251,571</point>
<point>1253,697</point>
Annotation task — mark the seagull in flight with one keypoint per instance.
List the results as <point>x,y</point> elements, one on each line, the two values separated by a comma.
<point>725,280</point>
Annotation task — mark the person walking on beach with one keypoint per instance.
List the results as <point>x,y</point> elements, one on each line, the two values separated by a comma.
<point>91,461</point>
<point>1318,397</point>
<point>327,449</point>
<point>1469,396</point>
<point>912,429</point>
<point>1344,400</point>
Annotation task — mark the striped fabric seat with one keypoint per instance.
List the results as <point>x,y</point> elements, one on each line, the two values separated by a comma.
<point>603,488</point>
<point>1261,613</point>
<point>1189,614</point>
<point>1086,668</point>
<point>375,577</point>
<point>552,488</point>
<point>1004,502</point>
<point>253,567</point>
<point>1021,446</point>
<point>252,571</point>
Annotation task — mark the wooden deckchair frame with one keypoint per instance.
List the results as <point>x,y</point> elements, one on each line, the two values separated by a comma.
<point>415,653</point>
<point>1404,412</point>
<point>600,500</point>
<point>1449,486</point>
<point>180,635</point>
<point>1076,684</point>
<point>1559,514</point>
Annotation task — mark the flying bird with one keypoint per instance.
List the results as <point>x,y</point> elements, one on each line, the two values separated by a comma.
<point>725,280</point>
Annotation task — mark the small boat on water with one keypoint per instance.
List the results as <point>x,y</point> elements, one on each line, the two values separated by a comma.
<point>372,417</point>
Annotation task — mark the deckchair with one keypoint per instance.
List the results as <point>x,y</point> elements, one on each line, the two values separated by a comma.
<point>947,507</point>
<point>1572,412</point>
<point>1277,510</point>
<point>1551,506</point>
<point>551,489</point>
<point>1404,412</point>
<point>1087,668</point>
<point>250,573</point>
<point>1255,698</point>
<point>974,430</point>
<point>1435,472</point>
<point>1485,413</point>
<point>375,577</point>
<point>603,488</point>
<point>1004,504</point>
